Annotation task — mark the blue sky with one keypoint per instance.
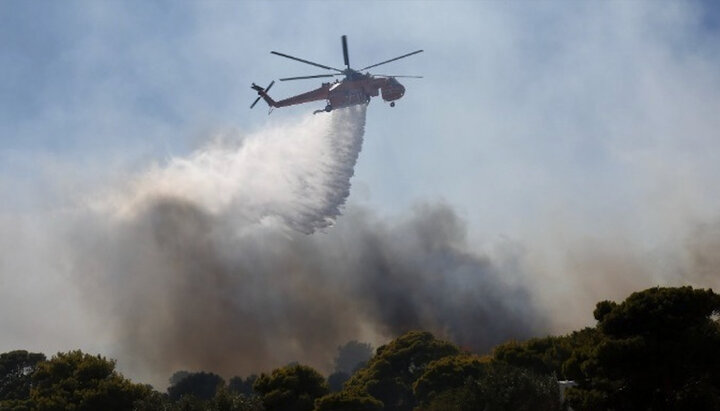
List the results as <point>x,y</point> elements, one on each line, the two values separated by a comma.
<point>582,133</point>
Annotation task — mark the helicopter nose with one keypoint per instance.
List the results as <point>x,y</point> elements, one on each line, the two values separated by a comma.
<point>393,92</point>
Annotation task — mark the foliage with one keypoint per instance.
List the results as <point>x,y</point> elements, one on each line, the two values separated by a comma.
<point>659,352</point>
<point>16,369</point>
<point>178,376</point>
<point>291,388</point>
<point>201,385</point>
<point>352,355</point>
<point>152,402</point>
<point>390,374</point>
<point>189,403</point>
<point>468,382</point>
<point>79,381</point>
<point>227,400</point>
<point>224,400</point>
<point>344,401</point>
<point>504,387</point>
<point>560,356</point>
<point>239,385</point>
<point>447,373</point>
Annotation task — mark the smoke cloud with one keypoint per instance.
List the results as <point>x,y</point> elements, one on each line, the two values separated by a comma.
<point>206,263</point>
<point>294,175</point>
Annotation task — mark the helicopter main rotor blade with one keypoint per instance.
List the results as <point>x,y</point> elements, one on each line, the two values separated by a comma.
<point>345,51</point>
<point>305,61</point>
<point>305,77</point>
<point>388,61</point>
<point>390,75</point>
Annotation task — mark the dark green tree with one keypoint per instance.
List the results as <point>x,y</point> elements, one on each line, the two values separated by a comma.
<point>227,400</point>
<point>291,388</point>
<point>16,369</point>
<point>239,385</point>
<point>190,403</point>
<point>344,401</point>
<point>201,385</point>
<point>500,387</point>
<point>560,356</point>
<point>468,382</point>
<point>177,376</point>
<point>447,373</point>
<point>659,352</point>
<point>152,402</point>
<point>390,374</point>
<point>79,381</point>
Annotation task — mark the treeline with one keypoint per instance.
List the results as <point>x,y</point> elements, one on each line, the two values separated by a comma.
<point>657,350</point>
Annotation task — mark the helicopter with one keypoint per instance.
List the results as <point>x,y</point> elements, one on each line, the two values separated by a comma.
<point>356,88</point>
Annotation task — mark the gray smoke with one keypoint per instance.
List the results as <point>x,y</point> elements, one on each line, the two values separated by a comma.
<point>183,291</point>
<point>205,264</point>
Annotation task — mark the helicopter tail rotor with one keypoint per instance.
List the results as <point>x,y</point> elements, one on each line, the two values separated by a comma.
<point>262,93</point>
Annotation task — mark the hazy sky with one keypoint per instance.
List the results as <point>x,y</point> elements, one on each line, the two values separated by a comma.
<point>521,101</point>
<point>579,137</point>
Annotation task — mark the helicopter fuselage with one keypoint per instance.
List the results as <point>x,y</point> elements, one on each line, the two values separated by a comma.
<point>356,89</point>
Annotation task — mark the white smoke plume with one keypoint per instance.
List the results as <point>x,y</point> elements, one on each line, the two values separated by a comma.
<point>297,175</point>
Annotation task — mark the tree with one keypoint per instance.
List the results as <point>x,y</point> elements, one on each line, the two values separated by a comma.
<point>227,400</point>
<point>178,376</point>
<point>239,385</point>
<point>79,381</point>
<point>390,374</point>
<point>468,382</point>
<point>560,356</point>
<point>16,369</point>
<point>659,352</point>
<point>291,388</point>
<point>201,385</point>
<point>503,387</point>
<point>542,355</point>
<point>447,373</point>
<point>500,387</point>
<point>344,401</point>
<point>152,402</point>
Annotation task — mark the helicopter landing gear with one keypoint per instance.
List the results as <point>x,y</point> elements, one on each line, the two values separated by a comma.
<point>392,104</point>
<point>328,108</point>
